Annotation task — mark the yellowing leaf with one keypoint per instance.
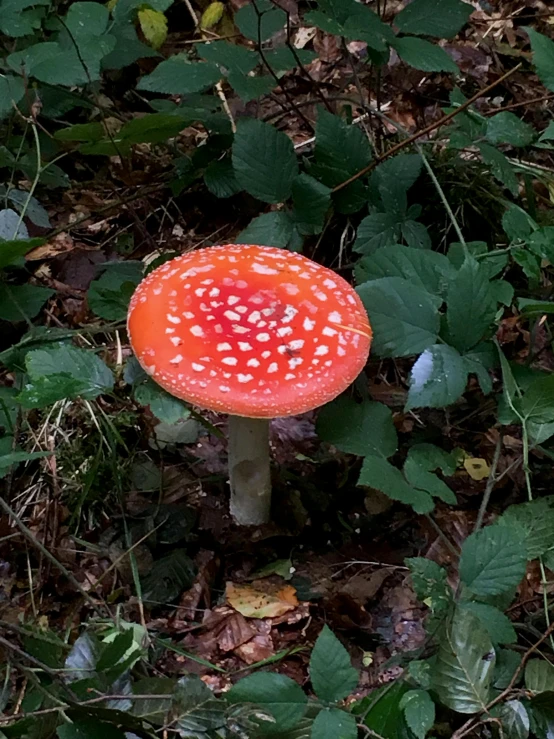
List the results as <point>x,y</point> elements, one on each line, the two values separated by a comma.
<point>111,5</point>
<point>212,15</point>
<point>476,468</point>
<point>154,26</point>
<point>262,598</point>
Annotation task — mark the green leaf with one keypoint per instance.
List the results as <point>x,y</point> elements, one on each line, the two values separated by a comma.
<point>168,577</point>
<point>517,223</point>
<point>537,404</point>
<point>114,651</point>
<point>89,729</point>
<point>469,295</point>
<point>229,57</point>
<point>419,711</point>
<point>163,405</point>
<point>195,708</point>
<point>331,672</point>
<point>28,205</point>
<point>427,270</point>
<point>377,231</point>
<point>260,20</point>
<point>419,468</point>
<point>543,57</point>
<point>275,694</point>
<point>269,229</point>
<point>514,719</point>
<point>311,200</point>
<point>507,128</point>
<point>430,583</point>
<point>283,59</point>
<point>12,90</point>
<point>424,55</point>
<point>377,473</point>
<point>153,709</point>
<point>358,428</point>
<point>464,664</point>
<point>176,76</point>
<point>61,371</point>
<point>257,148</point>
<point>15,457</point>
<point>398,173</point>
<point>18,302</point>
<point>382,713</point>
<point>153,25</point>
<point>251,88</point>
<point>219,178</point>
<point>340,151</point>
<point>403,317</point>
<point>498,625</point>
<point>415,234</point>
<point>109,295</point>
<point>128,49</point>
<point>438,378</point>
<point>539,676</point>
<point>534,523</point>
<point>501,167</point>
<point>11,226</point>
<point>493,560</point>
<point>439,18</point>
<point>332,723</point>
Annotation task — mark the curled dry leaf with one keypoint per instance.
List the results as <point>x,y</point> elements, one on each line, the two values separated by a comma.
<point>267,598</point>
<point>57,245</point>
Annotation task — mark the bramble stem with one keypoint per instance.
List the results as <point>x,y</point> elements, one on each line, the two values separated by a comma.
<point>249,472</point>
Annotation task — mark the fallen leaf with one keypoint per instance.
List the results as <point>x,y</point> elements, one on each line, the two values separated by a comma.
<point>262,598</point>
<point>476,468</point>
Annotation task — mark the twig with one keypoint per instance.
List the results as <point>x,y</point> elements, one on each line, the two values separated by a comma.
<point>428,129</point>
<point>491,482</point>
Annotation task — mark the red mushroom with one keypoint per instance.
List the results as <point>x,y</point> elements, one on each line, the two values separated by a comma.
<point>255,332</point>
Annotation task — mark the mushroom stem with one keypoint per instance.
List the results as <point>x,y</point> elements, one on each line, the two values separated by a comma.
<point>249,472</point>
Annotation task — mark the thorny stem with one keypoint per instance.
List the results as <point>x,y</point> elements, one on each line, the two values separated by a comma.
<point>249,470</point>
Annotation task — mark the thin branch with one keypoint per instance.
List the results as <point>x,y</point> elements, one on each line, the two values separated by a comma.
<point>491,482</point>
<point>428,129</point>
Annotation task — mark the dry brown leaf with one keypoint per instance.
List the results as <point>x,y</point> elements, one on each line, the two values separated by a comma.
<point>267,598</point>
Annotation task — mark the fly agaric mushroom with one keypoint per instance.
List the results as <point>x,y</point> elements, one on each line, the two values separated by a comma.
<point>255,332</point>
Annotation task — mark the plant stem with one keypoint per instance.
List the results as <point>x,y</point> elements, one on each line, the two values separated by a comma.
<point>249,473</point>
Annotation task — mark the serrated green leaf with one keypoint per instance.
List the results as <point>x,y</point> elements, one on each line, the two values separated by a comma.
<point>175,76</point>
<point>507,128</point>
<point>517,223</point>
<point>19,302</point>
<point>430,583</point>
<point>439,18</point>
<point>415,234</point>
<point>438,378</point>
<point>332,723</point>
<point>534,523</point>
<point>331,672</point>
<point>382,712</point>
<point>168,577</point>
<point>539,676</point>
<point>195,707</point>
<point>275,694</point>
<point>259,20</point>
<point>419,472</point>
<point>507,662</point>
<point>283,59</point>
<point>464,664</point>
<point>163,405</point>
<point>543,57</point>
<point>403,317</point>
<point>153,709</point>
<point>340,149</point>
<point>269,229</point>
<point>514,719</point>
<point>377,231</point>
<point>109,295</point>
<point>12,90</point>
<point>424,55</point>
<point>220,180</point>
<point>256,149</point>
<point>537,404</point>
<point>427,270</point>
<point>153,25</point>
<point>497,624</point>
<point>377,473</point>
<point>250,88</point>
<point>493,560</point>
<point>85,728</point>
<point>419,711</point>
<point>229,57</point>
<point>358,428</point>
<point>501,167</point>
<point>311,200</point>
<point>469,295</point>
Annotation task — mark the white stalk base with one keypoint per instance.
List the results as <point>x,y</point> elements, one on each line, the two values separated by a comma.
<point>249,472</point>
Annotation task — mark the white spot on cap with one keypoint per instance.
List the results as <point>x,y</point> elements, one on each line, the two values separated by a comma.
<point>170,330</point>
<point>244,346</point>
<point>327,331</point>
<point>320,295</point>
<point>200,291</point>
<point>321,350</point>
<point>232,361</point>
<point>237,329</point>
<point>308,324</point>
<point>254,317</point>
<point>197,367</point>
<point>296,344</point>
<point>214,292</point>
<point>176,340</point>
<point>341,352</point>
<point>273,367</point>
<point>177,359</point>
<point>263,269</point>
<point>244,378</point>
<point>231,315</point>
<point>266,355</point>
<point>263,337</point>
<point>197,331</point>
<point>188,314</point>
<point>225,388</point>
<point>290,376</point>
<point>329,283</point>
<point>335,317</point>
<point>253,363</point>
<point>295,361</point>
<point>285,331</point>
<point>291,289</point>
<point>225,347</point>
<point>173,319</point>
<point>233,299</point>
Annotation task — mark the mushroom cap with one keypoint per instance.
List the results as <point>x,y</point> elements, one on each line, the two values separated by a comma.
<point>253,331</point>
